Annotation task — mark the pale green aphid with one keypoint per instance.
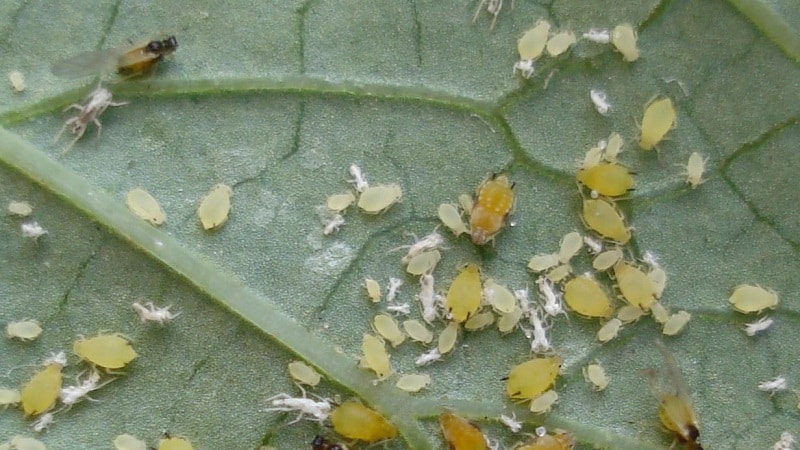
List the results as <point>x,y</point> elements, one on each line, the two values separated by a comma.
<point>542,262</point>
<point>109,351</point>
<point>20,209</point>
<point>377,199</point>
<point>613,147</point>
<point>630,313</point>
<point>413,382</point>
<point>375,356</point>
<point>26,443</point>
<point>586,297</point>
<point>570,245</point>
<point>747,298</point>
<point>451,218</point>
<point>606,220</point>
<point>417,331</point>
<point>145,206</point>
<point>174,443</point>
<point>659,312</point>
<point>499,297</point>
<point>609,330</point>
<point>676,322</point>
<point>532,43</point>
<point>624,39</point>
<point>634,285</point>
<point>560,42</point>
<point>128,442</point>
<point>448,338</point>
<point>479,321</point>
<point>596,374</point>
<point>9,397</point>
<point>544,402</point>
<point>304,374</point>
<point>340,202</point>
<point>507,322</point>
<point>423,262</point>
<point>467,203</point>
<point>607,259</point>
<point>215,207</point>
<point>387,327</point>
<point>659,118</point>
<point>560,273</point>
<point>24,330</point>
<point>373,289</point>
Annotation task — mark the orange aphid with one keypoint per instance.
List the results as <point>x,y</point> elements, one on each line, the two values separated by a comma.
<point>494,201</point>
<point>461,434</point>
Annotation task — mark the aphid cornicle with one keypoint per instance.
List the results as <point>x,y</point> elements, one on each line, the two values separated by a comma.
<point>493,203</point>
<point>128,61</point>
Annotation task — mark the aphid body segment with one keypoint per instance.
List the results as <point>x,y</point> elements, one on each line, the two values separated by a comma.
<point>748,298</point>
<point>174,443</point>
<point>494,201</point>
<point>128,61</point>
<point>355,421</point>
<point>570,245</point>
<point>215,207</point>
<point>479,321</point>
<point>375,356</point>
<point>611,180</point>
<point>624,39</point>
<point>423,262</point>
<point>613,147</point>
<point>461,434</point>
<point>304,374</point>
<point>659,118</point>
<point>606,220</point>
<point>128,442</point>
<point>586,297</point>
<point>542,262</point>
<point>659,312</point>
<point>424,245</point>
<point>145,206</point>
<point>530,379</point>
<point>17,80</point>
<point>41,392</point>
<point>377,199</point>
<point>607,259</point>
<point>413,382</point>
<point>544,402</point>
<point>109,351</point>
<point>464,296</point>
<point>94,105</point>
<point>24,330</point>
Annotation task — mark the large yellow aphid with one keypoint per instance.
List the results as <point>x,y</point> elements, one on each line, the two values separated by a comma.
<point>530,379</point>
<point>304,374</point>
<point>355,421</point>
<point>748,298</point>
<point>634,285</point>
<point>464,296</point>
<point>586,297</point>
<point>611,180</point>
<point>460,433</point>
<point>494,201</point>
<point>451,218</point>
<point>145,206</point>
<point>532,43</point>
<point>109,351</point>
<point>624,39</point>
<point>377,199</point>
<point>561,440</point>
<point>41,392</point>
<point>659,118</point>
<point>606,220</point>
<point>375,356</point>
<point>215,207</point>
<point>387,327</point>
<point>174,443</point>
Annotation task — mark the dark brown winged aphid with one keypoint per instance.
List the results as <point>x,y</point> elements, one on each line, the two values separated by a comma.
<point>129,61</point>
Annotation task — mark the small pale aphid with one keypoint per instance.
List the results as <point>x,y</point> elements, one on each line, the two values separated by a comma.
<point>659,312</point>
<point>430,242</point>
<point>786,442</point>
<point>499,297</point>
<point>525,67</point>
<point>24,330</point>
<point>774,385</point>
<point>507,322</point>
<point>377,199</point>
<point>466,202</point>
<point>544,402</point>
<point>145,206</point>
<point>593,246</point>
<point>26,443</point>
<point>423,262</point>
<point>609,330</point>
<point>128,442</point>
<point>570,245</point>
<point>614,147</point>
<point>373,289</point>
<point>552,297</point>
<point>585,296</point>
<point>451,218</point>
<point>560,42</point>
<point>109,351</point>
<point>150,313</point>
<point>413,382</point>
<point>375,356</point>
<point>598,35</point>
<point>607,179</point>
<point>340,202</point>
<point>393,289</point>
<point>479,321</point>
<point>448,338</point>
<point>174,443</point>
<point>540,342</point>
<point>215,207</point>
<point>94,105</point>
<point>318,410</point>
<point>353,420</point>
<point>659,278</point>
<point>333,224</point>
<point>9,397</point>
<point>748,298</point>
<point>530,379</point>
<point>560,273</point>
<point>676,322</point>
<point>461,434</point>
<point>20,209</point>
<point>542,262</point>
<point>39,395</point>
<point>464,296</point>
<point>606,220</point>
<point>624,39</point>
<point>387,327</point>
<point>428,357</point>
<point>44,421</point>
<point>533,42</point>
<point>634,285</point>
<point>694,170</point>
<point>32,230</point>
<point>596,374</point>
<point>600,101</point>
<point>629,314</point>
<point>659,118</point>
<point>607,259</point>
<point>494,201</point>
<point>417,331</point>
<point>17,80</point>
<point>592,158</point>
<point>427,298</point>
<point>359,181</point>
<point>761,324</point>
<point>70,395</point>
<point>304,374</point>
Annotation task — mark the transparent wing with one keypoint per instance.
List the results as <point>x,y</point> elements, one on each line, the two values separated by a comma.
<point>88,63</point>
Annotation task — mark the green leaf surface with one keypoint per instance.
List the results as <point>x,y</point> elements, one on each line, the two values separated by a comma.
<point>278,99</point>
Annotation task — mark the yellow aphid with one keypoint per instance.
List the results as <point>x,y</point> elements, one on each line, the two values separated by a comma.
<point>507,322</point>
<point>355,421</point>
<point>304,374</point>
<point>560,273</point>
<point>479,321</point>
<point>417,331</point>
<point>493,204</point>
<point>630,313</point>
<point>423,262</point>
<point>694,170</point>
<point>613,147</point>
<point>607,259</point>
<point>659,118</point>
<point>499,297</point>
<point>659,278</point>
<point>24,330</point>
<point>542,262</point>
<point>596,374</point>
<point>586,297</point>
<point>451,218</point>
<point>748,298</point>
<point>109,351</point>
<point>25,443</point>
<point>413,382</point>
<point>376,199</point>
<point>570,245</point>
<point>624,39</point>
<point>20,209</point>
<point>215,207</point>
<point>466,202</point>
<point>464,296</point>
<point>544,402</point>
<point>560,42</point>
<point>375,356</point>
<point>128,442</point>
<point>340,202</point>
<point>606,220</point>
<point>461,434</point>
<point>9,397</point>
<point>611,180</point>
<point>676,322</point>
<point>561,440</point>
<point>174,443</point>
<point>41,392</point>
<point>592,158</point>
<point>659,312</point>
<point>373,289</point>
<point>609,330</point>
<point>448,338</point>
<point>530,379</point>
<point>145,206</point>
<point>532,43</point>
<point>387,327</point>
<point>634,285</point>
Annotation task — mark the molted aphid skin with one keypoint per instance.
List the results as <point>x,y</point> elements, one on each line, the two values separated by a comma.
<point>636,288</point>
<point>41,392</point>
<point>611,180</point>
<point>20,209</point>
<point>174,443</point>
<point>596,374</point>
<point>128,442</point>
<point>448,338</point>
<point>451,218</point>
<point>417,331</point>
<point>375,356</point>
<point>215,207</point>
<point>676,322</point>
<point>624,39</point>
<point>109,351</point>
<point>493,204</point>
<point>761,324</point>
<point>464,296</point>
<point>377,199</point>
<point>461,434</point>
<point>413,382</point>
<point>606,220</point>
<point>600,101</point>
<point>748,298</point>
<point>544,402</point>
<point>560,42</point>
<point>94,105</point>
<point>340,202</point>
<point>532,43</point>
<point>355,421</point>
<point>694,170</point>
<point>530,379</point>
<point>145,206</point>
<point>586,297</point>
<point>609,330</point>
<point>387,327</point>
<point>597,35</point>
<point>304,374</point>
<point>659,118</point>
<point>24,330</point>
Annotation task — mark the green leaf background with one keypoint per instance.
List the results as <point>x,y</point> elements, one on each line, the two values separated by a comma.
<point>278,98</point>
